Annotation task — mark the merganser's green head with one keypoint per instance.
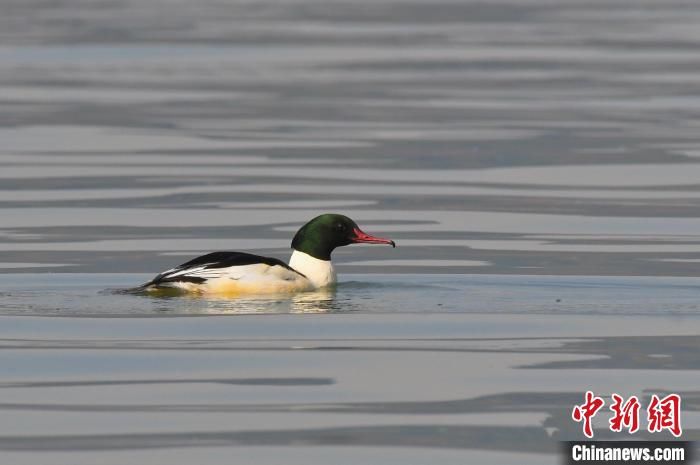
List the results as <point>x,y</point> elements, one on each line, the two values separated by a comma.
<point>320,236</point>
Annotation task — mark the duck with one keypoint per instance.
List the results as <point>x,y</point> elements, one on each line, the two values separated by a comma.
<point>233,274</point>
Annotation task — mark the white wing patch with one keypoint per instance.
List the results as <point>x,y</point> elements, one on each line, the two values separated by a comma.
<point>254,278</point>
<point>257,272</point>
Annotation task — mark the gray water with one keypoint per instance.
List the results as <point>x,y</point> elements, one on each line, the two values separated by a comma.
<point>536,163</point>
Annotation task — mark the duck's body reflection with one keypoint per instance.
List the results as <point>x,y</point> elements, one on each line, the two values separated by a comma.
<point>317,301</point>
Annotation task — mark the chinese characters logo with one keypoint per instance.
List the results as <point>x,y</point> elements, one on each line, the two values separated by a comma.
<point>662,414</point>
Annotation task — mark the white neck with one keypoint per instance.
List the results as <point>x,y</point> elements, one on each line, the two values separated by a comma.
<point>319,272</point>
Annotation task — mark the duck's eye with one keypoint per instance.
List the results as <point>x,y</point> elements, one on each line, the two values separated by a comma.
<point>340,227</point>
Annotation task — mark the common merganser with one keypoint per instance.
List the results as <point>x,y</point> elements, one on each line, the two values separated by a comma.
<point>236,273</point>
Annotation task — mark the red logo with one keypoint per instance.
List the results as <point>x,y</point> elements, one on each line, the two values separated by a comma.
<point>662,414</point>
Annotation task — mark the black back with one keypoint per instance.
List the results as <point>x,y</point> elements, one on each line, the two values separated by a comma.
<point>226,259</point>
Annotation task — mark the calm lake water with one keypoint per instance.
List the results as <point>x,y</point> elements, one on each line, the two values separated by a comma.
<point>537,163</point>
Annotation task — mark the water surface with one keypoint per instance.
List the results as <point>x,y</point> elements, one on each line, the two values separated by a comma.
<point>536,163</point>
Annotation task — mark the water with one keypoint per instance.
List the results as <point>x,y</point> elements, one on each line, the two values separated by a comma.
<point>90,295</point>
<point>536,163</point>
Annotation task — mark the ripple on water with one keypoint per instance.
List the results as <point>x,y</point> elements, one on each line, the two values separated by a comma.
<point>112,295</point>
<point>551,138</point>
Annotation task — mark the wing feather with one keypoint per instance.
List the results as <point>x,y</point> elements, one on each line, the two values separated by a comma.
<point>233,265</point>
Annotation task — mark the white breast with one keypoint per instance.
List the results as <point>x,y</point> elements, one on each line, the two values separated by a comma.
<point>320,272</point>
